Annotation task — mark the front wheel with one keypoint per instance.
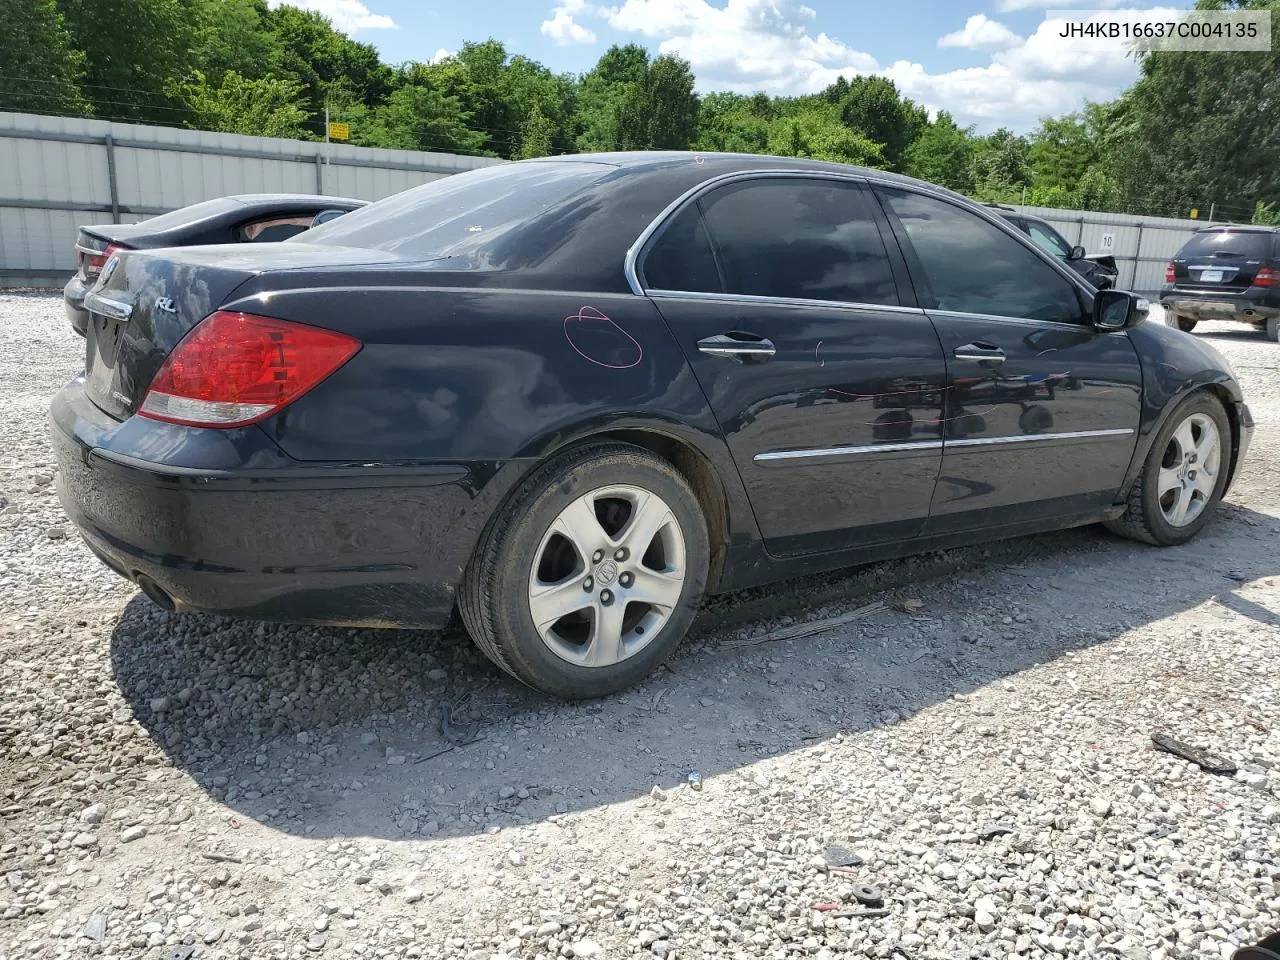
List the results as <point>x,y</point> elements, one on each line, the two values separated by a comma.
<point>1183,478</point>
<point>590,576</point>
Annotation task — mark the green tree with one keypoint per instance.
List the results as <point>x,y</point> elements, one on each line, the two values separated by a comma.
<point>601,92</point>
<point>42,70</point>
<point>661,111</point>
<point>319,58</point>
<point>417,117</point>
<point>731,123</point>
<point>1000,166</point>
<point>1201,127</point>
<point>873,107</point>
<point>942,154</point>
<point>233,35</point>
<point>133,53</point>
<point>1060,151</point>
<point>269,107</point>
<point>536,134</point>
<point>1266,214</point>
<point>817,132</point>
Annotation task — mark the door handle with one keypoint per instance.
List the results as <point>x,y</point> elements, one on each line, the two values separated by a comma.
<point>987,354</point>
<point>737,346</point>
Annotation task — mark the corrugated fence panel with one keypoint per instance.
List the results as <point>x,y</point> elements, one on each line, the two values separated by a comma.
<point>57,173</point>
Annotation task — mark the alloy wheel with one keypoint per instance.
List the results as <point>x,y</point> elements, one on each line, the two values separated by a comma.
<point>1189,470</point>
<point>607,575</point>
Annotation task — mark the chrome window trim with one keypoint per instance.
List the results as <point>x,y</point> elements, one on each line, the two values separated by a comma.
<point>83,249</point>
<point>659,294</point>
<point>937,444</point>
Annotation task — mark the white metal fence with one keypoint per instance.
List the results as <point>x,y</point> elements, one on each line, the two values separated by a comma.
<point>59,172</point>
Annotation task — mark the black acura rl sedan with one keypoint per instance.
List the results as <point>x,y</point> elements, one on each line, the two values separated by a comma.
<point>573,396</point>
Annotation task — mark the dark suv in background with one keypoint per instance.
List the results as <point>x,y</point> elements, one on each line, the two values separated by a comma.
<point>1225,273</point>
<point>1099,270</point>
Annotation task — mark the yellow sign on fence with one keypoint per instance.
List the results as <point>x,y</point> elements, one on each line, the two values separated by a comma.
<point>339,131</point>
<point>1195,214</point>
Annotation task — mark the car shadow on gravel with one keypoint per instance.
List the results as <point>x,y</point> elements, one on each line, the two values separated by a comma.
<point>330,732</point>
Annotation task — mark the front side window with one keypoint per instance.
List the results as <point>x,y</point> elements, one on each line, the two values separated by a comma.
<point>801,238</point>
<point>972,266</point>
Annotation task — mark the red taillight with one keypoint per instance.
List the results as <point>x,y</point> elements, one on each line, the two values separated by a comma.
<point>1266,277</point>
<point>234,369</point>
<point>92,263</point>
<point>1170,274</point>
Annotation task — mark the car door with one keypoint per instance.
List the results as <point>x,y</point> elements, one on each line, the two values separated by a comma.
<point>1042,408</point>
<point>829,388</point>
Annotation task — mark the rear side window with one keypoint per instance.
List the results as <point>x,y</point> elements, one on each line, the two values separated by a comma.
<point>800,238</point>
<point>681,257</point>
<point>972,266</point>
<point>1243,244</point>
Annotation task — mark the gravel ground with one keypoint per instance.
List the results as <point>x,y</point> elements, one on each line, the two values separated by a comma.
<point>176,787</point>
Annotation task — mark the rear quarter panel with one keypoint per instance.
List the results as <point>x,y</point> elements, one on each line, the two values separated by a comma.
<point>483,374</point>
<point>494,377</point>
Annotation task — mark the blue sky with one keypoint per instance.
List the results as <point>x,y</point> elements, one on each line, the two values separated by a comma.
<point>990,63</point>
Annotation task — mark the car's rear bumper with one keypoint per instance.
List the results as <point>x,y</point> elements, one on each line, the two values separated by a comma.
<point>1248,306</point>
<point>268,538</point>
<point>73,302</point>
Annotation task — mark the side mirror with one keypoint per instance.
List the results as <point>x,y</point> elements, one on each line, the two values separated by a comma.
<point>1077,253</point>
<point>324,216</point>
<point>1118,309</point>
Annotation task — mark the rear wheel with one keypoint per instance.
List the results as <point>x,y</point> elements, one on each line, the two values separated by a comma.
<point>1185,324</point>
<point>591,575</point>
<point>1183,478</point>
<point>1273,329</point>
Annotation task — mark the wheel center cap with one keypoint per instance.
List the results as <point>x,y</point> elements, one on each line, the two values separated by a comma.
<point>607,572</point>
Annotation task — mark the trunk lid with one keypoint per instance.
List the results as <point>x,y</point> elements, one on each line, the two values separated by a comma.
<point>148,300</point>
<point>1222,260</point>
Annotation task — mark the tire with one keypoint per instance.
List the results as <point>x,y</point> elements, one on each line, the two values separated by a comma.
<point>543,544</point>
<point>1148,516</point>
<point>1185,324</point>
<point>1273,329</point>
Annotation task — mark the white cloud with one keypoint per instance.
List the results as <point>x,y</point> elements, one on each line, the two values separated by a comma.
<point>442,54</point>
<point>563,28</point>
<point>746,45</point>
<point>1043,75</point>
<point>979,31</point>
<point>349,16</point>
<point>774,45</point>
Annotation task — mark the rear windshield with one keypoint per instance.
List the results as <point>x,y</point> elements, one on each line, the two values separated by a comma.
<point>1246,244</point>
<point>459,214</point>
